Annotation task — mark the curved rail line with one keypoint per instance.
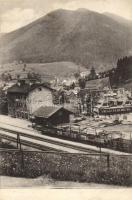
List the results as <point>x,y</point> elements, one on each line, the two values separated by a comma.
<point>38,138</point>
<point>27,143</point>
<point>51,141</point>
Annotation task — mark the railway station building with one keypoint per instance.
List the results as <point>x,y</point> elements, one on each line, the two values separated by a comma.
<point>52,115</point>
<point>24,98</point>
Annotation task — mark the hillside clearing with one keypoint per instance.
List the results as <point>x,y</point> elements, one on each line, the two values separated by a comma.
<point>48,70</point>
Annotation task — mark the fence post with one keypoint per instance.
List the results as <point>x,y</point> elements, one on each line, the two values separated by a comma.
<point>22,157</point>
<point>70,129</point>
<point>20,145</point>
<point>17,140</point>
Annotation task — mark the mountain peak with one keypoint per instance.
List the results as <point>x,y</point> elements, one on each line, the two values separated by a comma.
<point>66,35</point>
<point>83,10</point>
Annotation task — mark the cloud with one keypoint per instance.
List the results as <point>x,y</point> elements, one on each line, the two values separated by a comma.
<point>17,18</point>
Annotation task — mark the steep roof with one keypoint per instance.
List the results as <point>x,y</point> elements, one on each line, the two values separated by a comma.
<point>48,111</point>
<point>98,84</point>
<point>25,88</point>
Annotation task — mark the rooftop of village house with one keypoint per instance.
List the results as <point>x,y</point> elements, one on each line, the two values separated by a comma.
<point>48,111</point>
<point>22,87</point>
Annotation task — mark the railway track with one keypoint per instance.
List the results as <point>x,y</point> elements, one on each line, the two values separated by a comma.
<point>13,138</point>
<point>52,144</point>
<point>27,143</point>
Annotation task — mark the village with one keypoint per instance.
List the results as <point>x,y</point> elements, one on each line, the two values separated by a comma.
<point>65,98</point>
<point>82,108</point>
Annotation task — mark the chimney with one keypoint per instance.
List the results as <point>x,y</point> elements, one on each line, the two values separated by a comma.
<point>18,83</point>
<point>30,83</point>
<point>21,82</point>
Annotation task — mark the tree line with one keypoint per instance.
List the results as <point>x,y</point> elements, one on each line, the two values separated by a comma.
<point>123,71</point>
<point>118,75</point>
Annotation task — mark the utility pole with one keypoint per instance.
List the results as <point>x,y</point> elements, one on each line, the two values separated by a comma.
<point>18,141</point>
<point>21,151</point>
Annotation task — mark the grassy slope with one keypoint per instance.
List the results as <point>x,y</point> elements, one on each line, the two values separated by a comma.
<point>58,69</point>
<point>68,167</point>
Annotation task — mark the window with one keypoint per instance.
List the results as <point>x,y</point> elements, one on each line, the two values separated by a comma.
<point>39,89</point>
<point>104,104</point>
<point>119,103</point>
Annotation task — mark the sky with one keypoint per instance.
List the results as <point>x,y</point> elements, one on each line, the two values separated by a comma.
<point>17,13</point>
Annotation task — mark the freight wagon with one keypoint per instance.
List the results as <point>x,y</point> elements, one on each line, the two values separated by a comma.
<point>101,140</point>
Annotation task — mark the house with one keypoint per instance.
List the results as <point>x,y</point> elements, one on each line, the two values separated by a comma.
<point>52,115</point>
<point>90,95</point>
<point>98,84</point>
<point>3,106</point>
<point>71,96</point>
<point>24,98</point>
<point>3,102</point>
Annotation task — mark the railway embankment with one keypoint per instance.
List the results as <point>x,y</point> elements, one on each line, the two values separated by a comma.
<point>96,168</point>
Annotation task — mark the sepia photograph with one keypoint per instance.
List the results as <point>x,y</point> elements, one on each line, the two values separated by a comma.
<point>66,95</point>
